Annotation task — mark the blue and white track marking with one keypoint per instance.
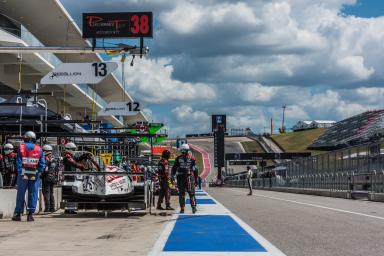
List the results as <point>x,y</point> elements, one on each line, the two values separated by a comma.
<point>213,230</point>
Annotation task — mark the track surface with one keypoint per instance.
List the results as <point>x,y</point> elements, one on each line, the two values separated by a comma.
<point>302,225</point>
<point>232,145</point>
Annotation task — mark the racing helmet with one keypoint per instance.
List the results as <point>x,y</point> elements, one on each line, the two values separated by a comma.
<point>29,136</point>
<point>47,149</point>
<point>8,148</point>
<point>70,146</point>
<point>184,148</point>
<point>166,154</point>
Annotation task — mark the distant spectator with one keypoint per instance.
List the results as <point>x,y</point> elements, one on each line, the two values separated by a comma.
<point>199,180</point>
<point>249,180</point>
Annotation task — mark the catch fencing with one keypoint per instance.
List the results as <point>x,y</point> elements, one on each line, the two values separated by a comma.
<point>359,168</point>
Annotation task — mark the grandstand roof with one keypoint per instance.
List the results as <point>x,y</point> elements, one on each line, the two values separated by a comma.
<point>324,121</point>
<point>354,130</point>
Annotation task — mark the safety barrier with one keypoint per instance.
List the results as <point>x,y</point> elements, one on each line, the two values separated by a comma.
<point>357,169</point>
<point>8,201</point>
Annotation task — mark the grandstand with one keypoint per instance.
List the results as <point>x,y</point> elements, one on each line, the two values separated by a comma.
<point>306,125</point>
<point>351,131</point>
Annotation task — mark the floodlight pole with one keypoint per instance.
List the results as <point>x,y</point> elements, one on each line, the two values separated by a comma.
<point>20,100</point>
<point>282,124</point>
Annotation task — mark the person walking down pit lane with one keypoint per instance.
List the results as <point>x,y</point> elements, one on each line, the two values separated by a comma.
<point>249,180</point>
<point>70,165</point>
<point>8,166</point>
<point>48,179</point>
<point>163,174</point>
<point>30,163</point>
<point>186,173</point>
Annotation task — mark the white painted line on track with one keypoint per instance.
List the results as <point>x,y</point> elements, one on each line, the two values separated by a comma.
<point>241,147</point>
<point>316,205</point>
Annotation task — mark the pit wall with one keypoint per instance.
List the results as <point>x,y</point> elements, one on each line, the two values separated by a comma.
<point>8,201</point>
<point>377,197</point>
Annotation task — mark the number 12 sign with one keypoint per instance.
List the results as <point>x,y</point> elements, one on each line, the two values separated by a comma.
<point>117,24</point>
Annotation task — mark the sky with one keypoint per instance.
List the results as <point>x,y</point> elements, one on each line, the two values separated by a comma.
<point>322,59</point>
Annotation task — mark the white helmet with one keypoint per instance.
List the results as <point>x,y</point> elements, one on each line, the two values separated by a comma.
<point>70,146</point>
<point>8,148</point>
<point>184,148</point>
<point>29,136</point>
<point>47,149</point>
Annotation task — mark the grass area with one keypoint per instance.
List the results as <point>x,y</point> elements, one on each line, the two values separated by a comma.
<point>252,147</point>
<point>298,141</point>
<point>199,160</point>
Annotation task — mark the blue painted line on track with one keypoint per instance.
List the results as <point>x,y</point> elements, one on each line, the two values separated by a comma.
<point>201,201</point>
<point>212,233</point>
<point>201,194</point>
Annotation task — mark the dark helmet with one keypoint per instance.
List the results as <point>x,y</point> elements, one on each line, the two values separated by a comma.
<point>248,167</point>
<point>166,154</point>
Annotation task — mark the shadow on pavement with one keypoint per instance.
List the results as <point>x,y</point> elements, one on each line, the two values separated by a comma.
<point>97,215</point>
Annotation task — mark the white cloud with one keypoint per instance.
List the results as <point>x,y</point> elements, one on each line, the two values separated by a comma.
<point>256,92</point>
<point>151,80</point>
<point>185,113</point>
<point>190,120</point>
<point>248,58</point>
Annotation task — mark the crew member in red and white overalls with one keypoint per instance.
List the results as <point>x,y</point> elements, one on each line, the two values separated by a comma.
<point>30,163</point>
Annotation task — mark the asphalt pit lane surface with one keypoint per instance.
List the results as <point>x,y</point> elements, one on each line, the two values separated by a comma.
<point>108,236</point>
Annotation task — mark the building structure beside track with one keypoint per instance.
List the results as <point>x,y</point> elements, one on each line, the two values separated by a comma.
<point>47,23</point>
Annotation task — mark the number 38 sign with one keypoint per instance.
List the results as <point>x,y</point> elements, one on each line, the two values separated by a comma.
<point>118,24</point>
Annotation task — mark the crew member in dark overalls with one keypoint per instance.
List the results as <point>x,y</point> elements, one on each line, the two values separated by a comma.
<point>49,178</point>
<point>163,174</point>
<point>8,166</point>
<point>186,174</point>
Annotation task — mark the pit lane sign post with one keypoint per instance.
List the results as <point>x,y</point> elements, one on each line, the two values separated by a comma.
<point>118,25</point>
<point>218,127</point>
<point>79,73</point>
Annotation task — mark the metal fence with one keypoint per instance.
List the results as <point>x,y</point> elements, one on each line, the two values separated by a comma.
<point>359,168</point>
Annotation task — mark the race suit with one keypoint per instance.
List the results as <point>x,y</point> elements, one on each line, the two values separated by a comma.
<point>70,164</point>
<point>163,174</point>
<point>48,179</point>
<point>30,163</point>
<point>186,175</point>
<point>8,169</point>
